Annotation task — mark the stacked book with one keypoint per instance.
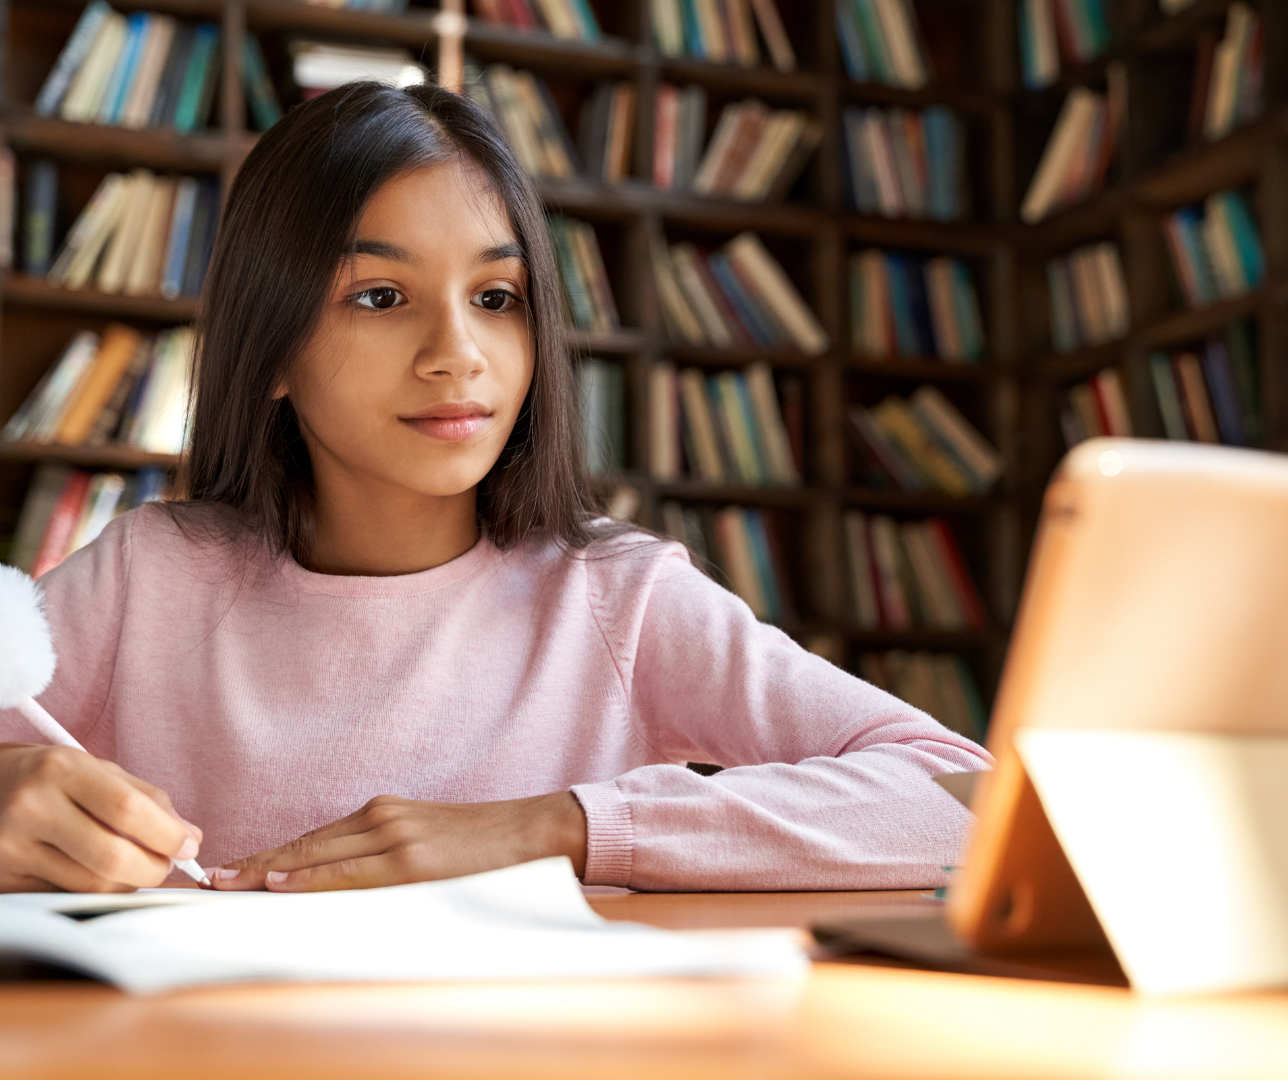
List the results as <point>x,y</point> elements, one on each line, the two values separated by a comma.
<point>880,42</point>
<point>722,31</point>
<point>318,66</point>
<point>724,428</point>
<point>923,444</point>
<point>738,295</point>
<point>679,130</point>
<point>581,269</point>
<point>1216,252</point>
<point>123,388</point>
<point>606,130</point>
<point>1095,408</point>
<point>1088,297</point>
<point>936,683</point>
<point>1074,31</point>
<point>907,162</point>
<point>139,234</point>
<point>65,509</point>
<point>602,391</point>
<point>1210,395</point>
<point>755,153</point>
<point>573,20</point>
<point>1229,74</point>
<point>909,574</point>
<point>903,306</point>
<point>745,546</point>
<point>137,71</point>
<point>1077,156</point>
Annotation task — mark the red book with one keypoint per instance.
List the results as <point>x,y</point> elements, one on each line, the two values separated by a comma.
<point>62,521</point>
<point>666,117</point>
<point>951,557</point>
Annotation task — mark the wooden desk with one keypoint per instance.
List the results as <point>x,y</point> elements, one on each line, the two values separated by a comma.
<point>845,1020</point>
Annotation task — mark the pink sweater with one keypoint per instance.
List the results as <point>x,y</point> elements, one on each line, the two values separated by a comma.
<point>268,700</point>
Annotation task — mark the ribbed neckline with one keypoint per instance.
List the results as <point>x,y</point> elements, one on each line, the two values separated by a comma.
<point>425,581</point>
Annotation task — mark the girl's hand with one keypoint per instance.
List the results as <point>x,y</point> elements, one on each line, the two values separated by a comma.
<point>393,841</point>
<point>62,816</point>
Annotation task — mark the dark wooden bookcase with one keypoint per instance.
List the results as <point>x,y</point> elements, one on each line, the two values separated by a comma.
<point>1011,396</point>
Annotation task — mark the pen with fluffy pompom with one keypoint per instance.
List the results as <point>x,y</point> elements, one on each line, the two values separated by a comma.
<point>27,663</point>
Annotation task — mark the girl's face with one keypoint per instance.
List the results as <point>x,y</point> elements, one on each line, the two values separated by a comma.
<point>423,355</point>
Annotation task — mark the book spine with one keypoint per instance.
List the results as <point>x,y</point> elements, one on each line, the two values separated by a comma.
<point>1198,407</point>
<point>201,61</point>
<point>664,424</point>
<point>260,95</point>
<point>866,609</point>
<point>779,44</point>
<point>706,456</point>
<point>62,521</point>
<point>118,86</point>
<point>180,235</point>
<point>70,59</point>
<point>1169,401</point>
<point>1225,399</point>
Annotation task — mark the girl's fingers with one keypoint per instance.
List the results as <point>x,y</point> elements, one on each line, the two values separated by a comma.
<point>102,852</point>
<point>124,807</point>
<point>308,850</point>
<point>363,873</point>
<point>49,864</point>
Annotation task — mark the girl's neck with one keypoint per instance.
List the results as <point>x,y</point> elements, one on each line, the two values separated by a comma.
<point>364,534</point>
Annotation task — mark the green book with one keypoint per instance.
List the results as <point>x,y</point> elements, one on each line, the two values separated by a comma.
<point>264,107</point>
<point>201,64</point>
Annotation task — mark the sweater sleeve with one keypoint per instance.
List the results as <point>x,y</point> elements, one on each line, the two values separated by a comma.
<point>827,781</point>
<point>84,603</point>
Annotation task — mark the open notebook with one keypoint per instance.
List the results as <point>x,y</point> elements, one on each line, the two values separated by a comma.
<point>523,922</point>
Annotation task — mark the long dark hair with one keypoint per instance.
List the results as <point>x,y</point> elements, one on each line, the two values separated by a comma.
<point>289,220</point>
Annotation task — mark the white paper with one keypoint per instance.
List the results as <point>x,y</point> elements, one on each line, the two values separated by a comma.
<point>524,922</point>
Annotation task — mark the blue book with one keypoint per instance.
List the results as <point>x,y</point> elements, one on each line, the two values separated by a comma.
<point>1251,257</point>
<point>584,16</point>
<point>1187,222</point>
<point>694,44</point>
<point>1095,24</point>
<point>185,199</point>
<point>847,29</point>
<point>749,313</point>
<point>919,307</point>
<point>905,333</point>
<point>1225,398</point>
<point>966,306</point>
<point>864,181</point>
<point>946,160</point>
<point>118,86</point>
<point>754,526</point>
<point>757,436</point>
<point>70,59</point>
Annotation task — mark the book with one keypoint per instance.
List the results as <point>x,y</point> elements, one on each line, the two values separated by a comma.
<point>1169,400</point>
<point>776,292</point>
<point>1199,419</point>
<point>481,927</point>
<point>1087,291</point>
<point>1039,54</point>
<point>196,95</point>
<point>664,445</point>
<point>770,428</point>
<point>956,434</point>
<point>603,413</point>
<point>906,307</point>
<point>8,205</point>
<point>770,24</point>
<point>124,70</point>
<point>95,387</point>
<point>39,416</point>
<point>865,608</point>
<point>136,110</point>
<point>1216,252</point>
<point>1067,171</point>
<point>265,109</point>
<point>37,508</point>
<point>702,447</point>
<point>39,216</point>
<point>319,66</point>
<point>891,574</point>
<point>666,133</point>
<point>89,83</point>
<point>102,497</point>
<point>668,27</point>
<point>54,89</point>
<point>91,230</point>
<point>1235,82</point>
<point>906,162</point>
<point>172,266</point>
<point>62,521</point>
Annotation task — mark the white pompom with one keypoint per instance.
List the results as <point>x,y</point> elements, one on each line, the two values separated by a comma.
<point>26,648</point>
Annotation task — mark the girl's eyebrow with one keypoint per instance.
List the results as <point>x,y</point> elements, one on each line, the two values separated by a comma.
<point>499,253</point>
<point>382,249</point>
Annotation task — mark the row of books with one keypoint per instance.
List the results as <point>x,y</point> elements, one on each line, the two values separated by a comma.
<point>1216,251</point>
<point>937,683</point>
<point>67,508</point>
<point>907,162</point>
<point>722,31</point>
<point>755,152</point>
<point>904,306</point>
<point>122,388</point>
<point>318,66</point>
<point>1229,73</point>
<point>147,70</point>
<point>737,295</point>
<point>1097,407</point>
<point>581,269</point>
<point>1089,302</point>
<point>570,19</point>
<point>725,428</point>
<point>1209,395</point>
<point>923,444</point>
<point>909,574</point>
<point>1051,31</point>
<point>385,7</point>
<point>140,234</point>
<point>746,547</point>
<point>880,42</point>
<point>1075,161</point>
<point>602,391</point>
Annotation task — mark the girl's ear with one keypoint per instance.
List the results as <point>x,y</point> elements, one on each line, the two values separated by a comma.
<point>280,390</point>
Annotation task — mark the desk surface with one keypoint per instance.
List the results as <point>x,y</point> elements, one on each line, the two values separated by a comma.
<point>844,1020</point>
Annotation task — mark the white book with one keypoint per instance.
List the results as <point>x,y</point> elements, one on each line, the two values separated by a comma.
<point>88,234</point>
<point>867,613</point>
<point>1223,255</point>
<point>899,28</point>
<point>86,91</point>
<point>1223,93</point>
<point>144,275</point>
<point>522,923</point>
<point>1113,289</point>
<point>1067,141</point>
<point>152,57</point>
<point>668,27</point>
<point>769,425</point>
<point>124,245</point>
<point>1040,17</point>
<point>776,290</point>
<point>105,491</point>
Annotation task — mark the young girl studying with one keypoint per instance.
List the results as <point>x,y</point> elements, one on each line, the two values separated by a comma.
<point>385,639</point>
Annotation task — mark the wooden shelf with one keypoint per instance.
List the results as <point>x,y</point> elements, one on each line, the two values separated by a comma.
<point>804,87</point>
<point>1178,327</point>
<point>918,502</point>
<point>960,100</point>
<point>89,457</point>
<point>160,148</point>
<point>951,237</point>
<point>18,289</point>
<point>925,368</point>
<point>1060,367</point>
<point>736,356</point>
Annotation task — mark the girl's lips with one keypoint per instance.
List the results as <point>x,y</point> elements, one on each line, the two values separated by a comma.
<point>449,428</point>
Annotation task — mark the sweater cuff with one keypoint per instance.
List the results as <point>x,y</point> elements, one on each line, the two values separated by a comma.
<point>610,837</point>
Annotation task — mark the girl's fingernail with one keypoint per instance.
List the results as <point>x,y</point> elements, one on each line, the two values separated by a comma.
<point>224,874</point>
<point>276,877</point>
<point>189,849</point>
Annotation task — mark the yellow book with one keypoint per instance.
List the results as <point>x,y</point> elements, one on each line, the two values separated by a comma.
<point>97,384</point>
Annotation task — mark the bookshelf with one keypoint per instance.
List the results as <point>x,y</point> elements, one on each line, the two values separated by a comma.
<point>972,44</point>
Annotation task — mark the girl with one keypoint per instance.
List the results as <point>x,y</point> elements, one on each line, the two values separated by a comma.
<point>385,640</point>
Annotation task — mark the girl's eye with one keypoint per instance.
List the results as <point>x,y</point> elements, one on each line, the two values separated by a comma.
<point>379,299</point>
<point>496,299</point>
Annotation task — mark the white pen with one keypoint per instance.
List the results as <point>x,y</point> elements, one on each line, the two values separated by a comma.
<point>52,730</point>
